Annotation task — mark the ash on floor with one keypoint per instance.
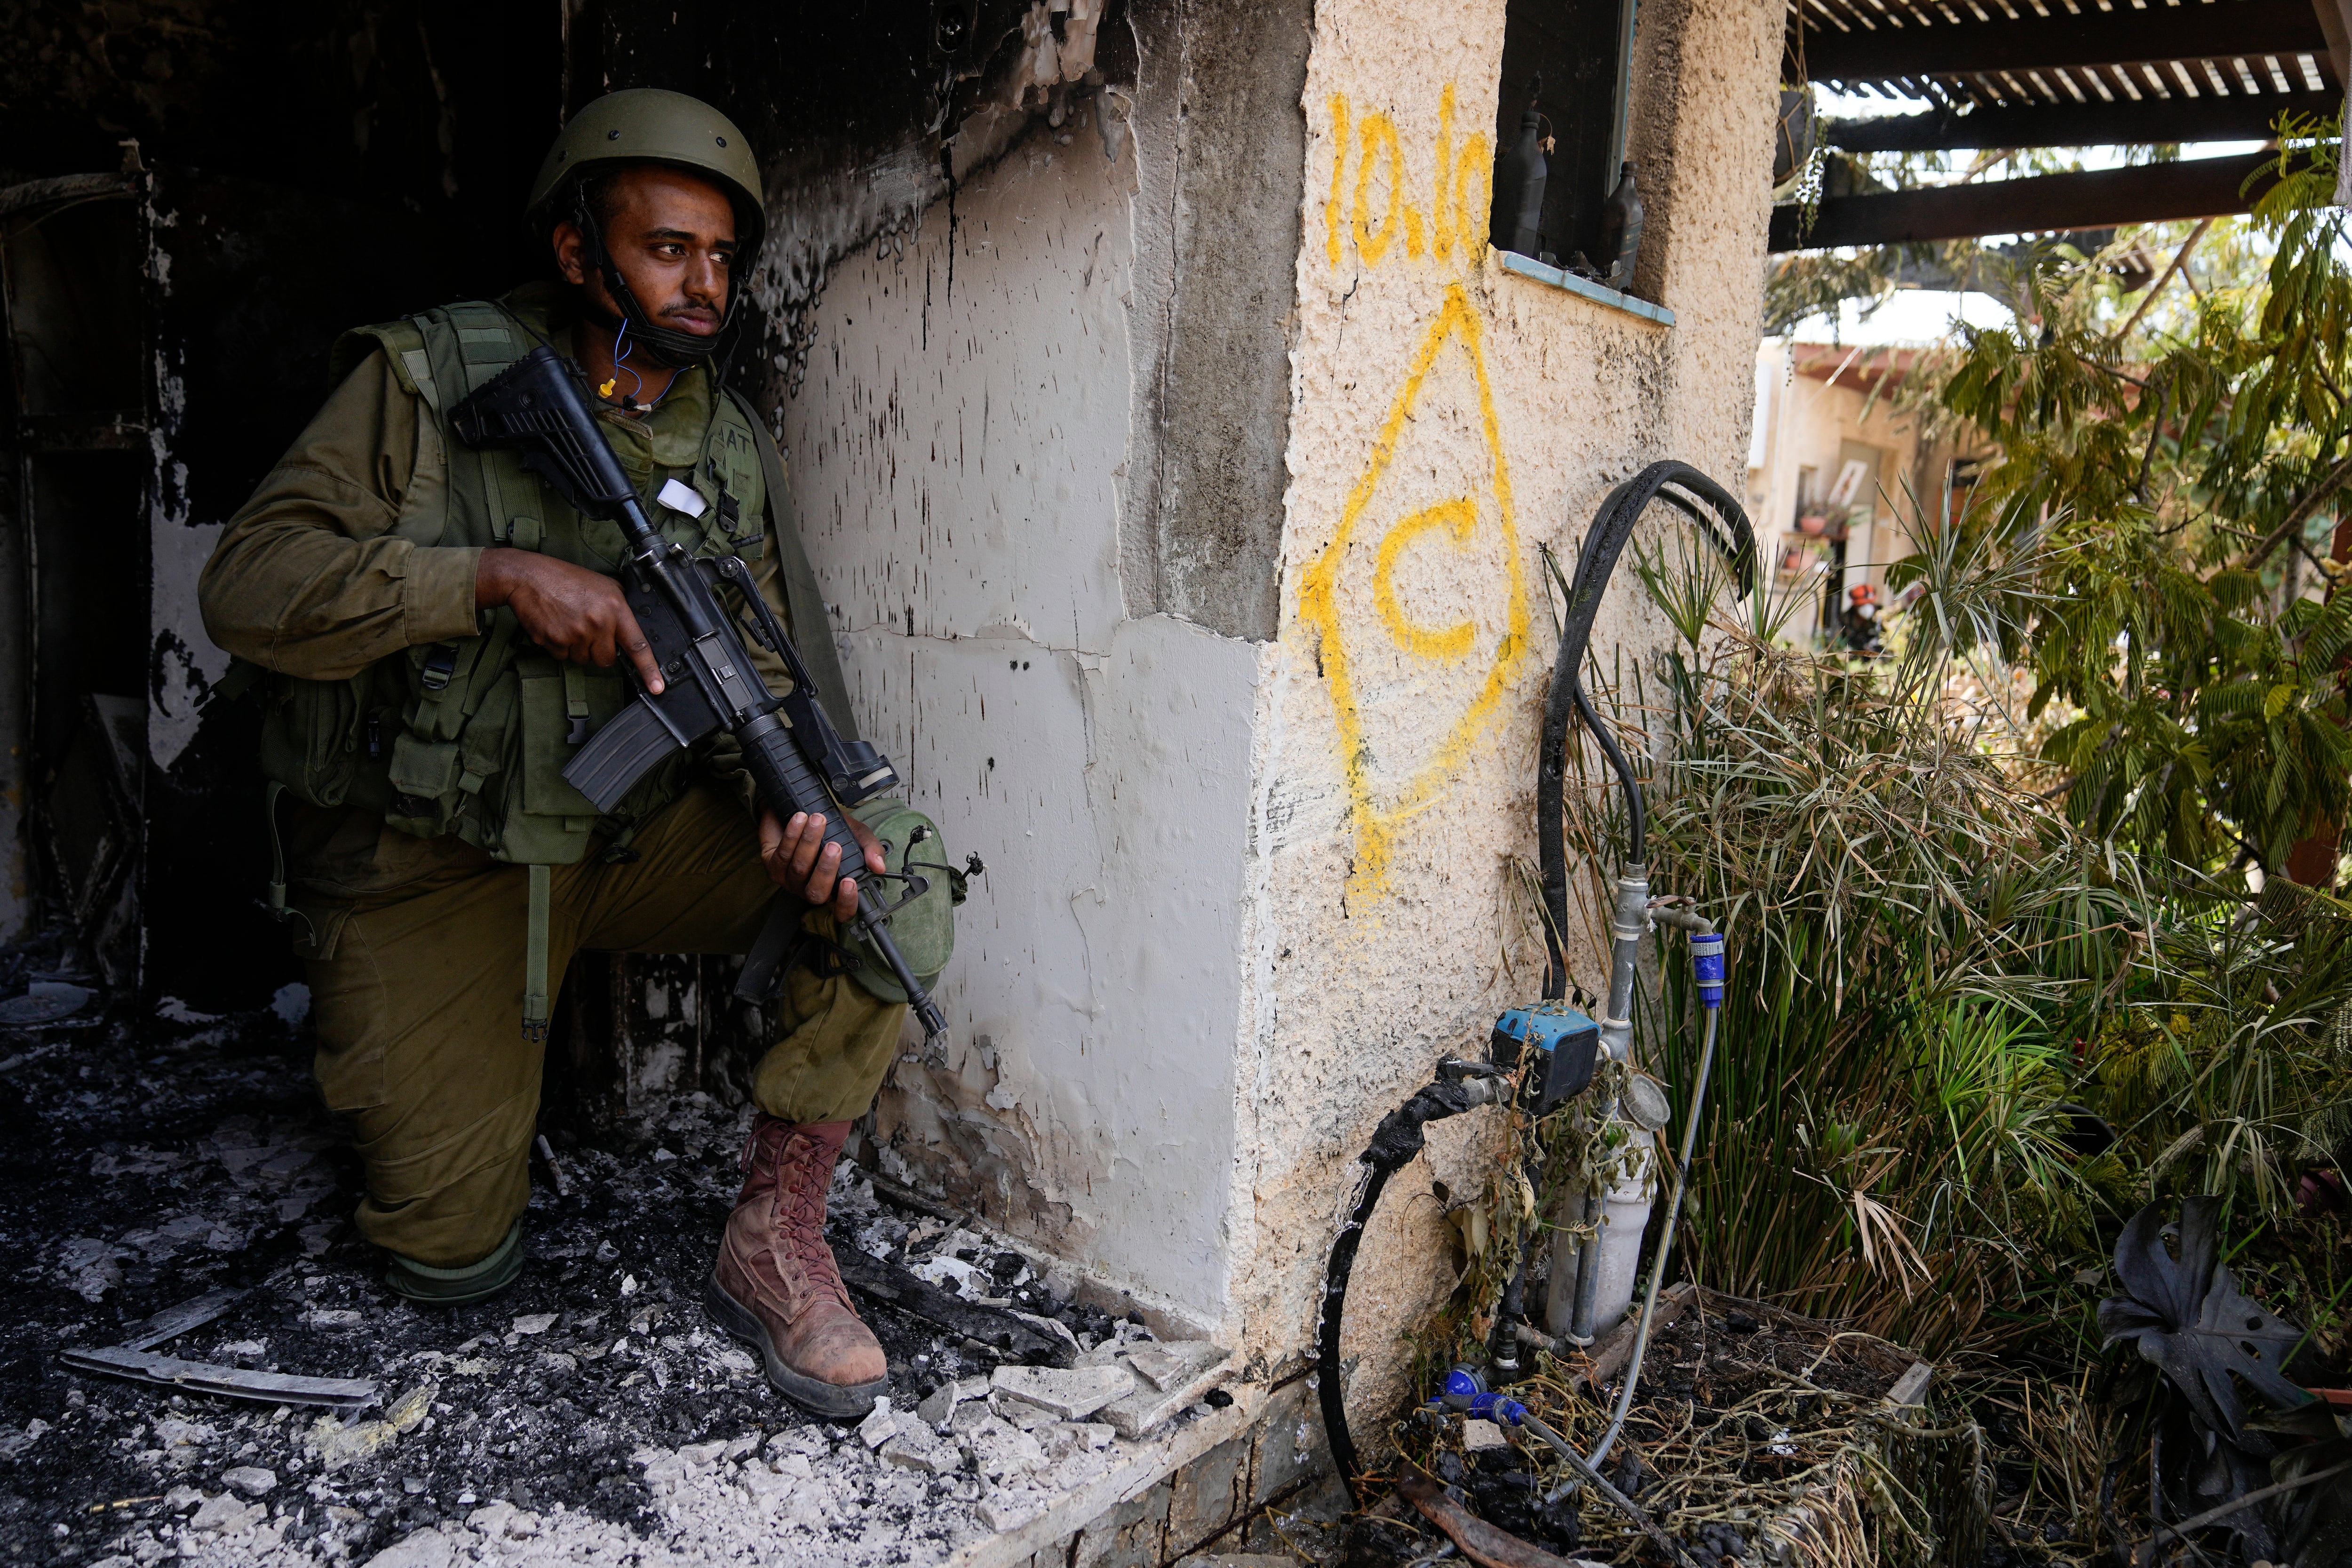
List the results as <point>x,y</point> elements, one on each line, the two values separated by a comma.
<point>592,1412</point>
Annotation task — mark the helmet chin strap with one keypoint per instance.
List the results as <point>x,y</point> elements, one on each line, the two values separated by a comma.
<point>666,346</point>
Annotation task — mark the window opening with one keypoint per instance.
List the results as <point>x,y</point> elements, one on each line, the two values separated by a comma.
<point>1560,130</point>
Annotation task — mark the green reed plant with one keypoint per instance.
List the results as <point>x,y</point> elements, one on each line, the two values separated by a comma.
<point>1913,939</point>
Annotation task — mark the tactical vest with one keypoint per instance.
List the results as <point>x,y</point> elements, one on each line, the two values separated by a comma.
<point>471,737</point>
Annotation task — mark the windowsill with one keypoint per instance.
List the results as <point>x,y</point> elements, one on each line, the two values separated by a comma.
<point>1599,294</point>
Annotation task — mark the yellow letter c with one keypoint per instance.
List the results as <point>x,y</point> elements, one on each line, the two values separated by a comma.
<point>1458,517</point>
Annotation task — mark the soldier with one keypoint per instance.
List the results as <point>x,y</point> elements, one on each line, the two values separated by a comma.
<point>435,629</point>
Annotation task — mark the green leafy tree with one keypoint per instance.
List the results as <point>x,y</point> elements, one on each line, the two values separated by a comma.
<point>2177,486</point>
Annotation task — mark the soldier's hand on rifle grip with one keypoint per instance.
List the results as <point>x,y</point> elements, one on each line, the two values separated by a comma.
<point>798,858</point>
<point>574,613</point>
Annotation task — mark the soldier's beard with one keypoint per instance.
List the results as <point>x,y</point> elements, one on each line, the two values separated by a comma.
<point>662,344</point>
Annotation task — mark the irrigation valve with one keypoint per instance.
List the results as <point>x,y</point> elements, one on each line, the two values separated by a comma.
<point>1466,1392</point>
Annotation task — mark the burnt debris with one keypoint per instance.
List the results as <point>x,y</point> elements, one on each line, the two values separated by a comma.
<point>151,1160</point>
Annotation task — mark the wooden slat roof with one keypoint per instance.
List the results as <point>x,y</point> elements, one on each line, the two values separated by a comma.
<point>1994,55</point>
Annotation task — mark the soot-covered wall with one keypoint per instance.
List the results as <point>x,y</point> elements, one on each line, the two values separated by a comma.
<point>310,167</point>
<point>294,169</point>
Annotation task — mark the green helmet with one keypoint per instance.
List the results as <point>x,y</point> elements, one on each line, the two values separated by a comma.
<point>649,124</point>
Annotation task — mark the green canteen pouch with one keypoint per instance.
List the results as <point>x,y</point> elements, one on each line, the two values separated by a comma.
<point>924,929</point>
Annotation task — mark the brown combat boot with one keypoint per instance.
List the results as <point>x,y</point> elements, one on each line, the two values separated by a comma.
<point>777,1288</point>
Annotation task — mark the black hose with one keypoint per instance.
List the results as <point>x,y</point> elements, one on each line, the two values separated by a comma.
<point>1395,1144</point>
<point>1726,526</point>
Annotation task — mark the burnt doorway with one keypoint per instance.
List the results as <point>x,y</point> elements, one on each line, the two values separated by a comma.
<point>75,564</point>
<point>167,334</point>
<point>183,235</point>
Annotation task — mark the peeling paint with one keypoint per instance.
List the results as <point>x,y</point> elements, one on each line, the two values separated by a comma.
<point>956,472</point>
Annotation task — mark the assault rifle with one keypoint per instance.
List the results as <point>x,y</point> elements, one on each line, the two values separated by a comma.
<point>798,761</point>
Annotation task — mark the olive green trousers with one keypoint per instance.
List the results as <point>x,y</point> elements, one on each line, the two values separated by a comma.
<point>416,953</point>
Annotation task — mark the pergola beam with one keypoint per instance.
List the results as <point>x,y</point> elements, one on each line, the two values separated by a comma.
<point>2146,193</point>
<point>2224,29</point>
<point>2123,123</point>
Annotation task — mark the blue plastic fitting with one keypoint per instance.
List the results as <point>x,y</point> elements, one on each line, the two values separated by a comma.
<point>1465,1390</point>
<point>1707,966</point>
<point>1462,1386</point>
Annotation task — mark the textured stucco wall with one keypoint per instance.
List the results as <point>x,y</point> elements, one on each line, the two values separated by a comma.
<point>1246,888</point>
<point>1446,418</point>
<point>958,456</point>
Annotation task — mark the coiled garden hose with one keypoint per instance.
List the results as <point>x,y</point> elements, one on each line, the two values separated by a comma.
<point>1726,526</point>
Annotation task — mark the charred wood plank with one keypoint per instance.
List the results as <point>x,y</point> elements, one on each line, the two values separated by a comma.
<point>341,1394</point>
<point>64,188</point>
<point>994,1326</point>
<point>172,1321</point>
<point>81,433</point>
<point>1480,1541</point>
<point>2148,193</point>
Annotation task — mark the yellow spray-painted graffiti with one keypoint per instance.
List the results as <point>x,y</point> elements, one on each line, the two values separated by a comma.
<point>1377,816</point>
<point>1379,136</point>
<point>1461,190</point>
<point>1458,517</point>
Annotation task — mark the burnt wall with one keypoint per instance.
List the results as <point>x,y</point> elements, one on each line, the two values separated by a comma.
<point>435,111</point>
<point>1223,80</point>
<point>318,165</point>
<point>306,167</point>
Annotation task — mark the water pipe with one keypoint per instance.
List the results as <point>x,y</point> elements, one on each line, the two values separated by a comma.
<point>1461,1085</point>
<point>1706,960</point>
<point>1465,1392</point>
<point>1633,913</point>
<point>1724,526</point>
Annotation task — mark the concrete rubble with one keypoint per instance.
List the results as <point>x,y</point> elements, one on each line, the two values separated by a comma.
<point>591,1415</point>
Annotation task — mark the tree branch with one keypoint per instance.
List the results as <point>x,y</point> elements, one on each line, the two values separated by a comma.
<point>2336,479</point>
<point>2178,258</point>
<point>2155,434</point>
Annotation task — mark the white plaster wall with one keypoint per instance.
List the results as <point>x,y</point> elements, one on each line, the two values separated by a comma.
<point>956,454</point>
<point>1388,922</point>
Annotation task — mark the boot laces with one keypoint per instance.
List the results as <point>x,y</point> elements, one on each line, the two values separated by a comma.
<point>799,1212</point>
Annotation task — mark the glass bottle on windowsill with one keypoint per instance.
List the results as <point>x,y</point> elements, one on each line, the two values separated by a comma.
<point>1621,231</point>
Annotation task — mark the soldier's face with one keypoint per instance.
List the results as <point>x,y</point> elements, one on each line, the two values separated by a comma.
<point>673,237</point>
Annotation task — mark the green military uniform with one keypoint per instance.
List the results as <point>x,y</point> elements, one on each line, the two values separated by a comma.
<point>418,925</point>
